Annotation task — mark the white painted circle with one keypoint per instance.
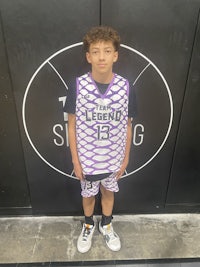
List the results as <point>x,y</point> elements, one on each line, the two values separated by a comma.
<point>79,44</point>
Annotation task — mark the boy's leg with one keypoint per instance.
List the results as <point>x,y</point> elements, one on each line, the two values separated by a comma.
<point>108,187</point>
<point>107,201</point>
<point>88,208</point>
<point>89,190</point>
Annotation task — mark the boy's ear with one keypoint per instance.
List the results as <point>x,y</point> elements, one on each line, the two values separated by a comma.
<point>116,55</point>
<point>88,57</point>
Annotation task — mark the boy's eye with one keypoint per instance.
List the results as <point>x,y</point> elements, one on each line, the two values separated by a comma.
<point>108,51</point>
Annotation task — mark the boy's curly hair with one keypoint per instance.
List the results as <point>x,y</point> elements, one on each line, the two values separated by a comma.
<point>101,33</point>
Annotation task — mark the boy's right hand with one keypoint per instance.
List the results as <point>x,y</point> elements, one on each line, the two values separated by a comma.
<point>78,171</point>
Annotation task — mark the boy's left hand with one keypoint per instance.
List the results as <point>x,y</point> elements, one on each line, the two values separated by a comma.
<point>122,170</point>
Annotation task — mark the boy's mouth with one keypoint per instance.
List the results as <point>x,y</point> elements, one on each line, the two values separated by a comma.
<point>102,65</point>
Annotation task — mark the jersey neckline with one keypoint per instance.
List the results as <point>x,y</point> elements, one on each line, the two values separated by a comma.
<point>109,85</point>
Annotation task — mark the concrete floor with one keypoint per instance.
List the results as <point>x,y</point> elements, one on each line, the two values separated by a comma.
<point>143,237</point>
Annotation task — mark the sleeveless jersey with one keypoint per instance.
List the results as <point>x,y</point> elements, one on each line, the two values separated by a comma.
<point>101,124</point>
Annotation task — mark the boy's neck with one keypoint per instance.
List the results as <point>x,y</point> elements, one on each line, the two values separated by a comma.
<point>103,78</point>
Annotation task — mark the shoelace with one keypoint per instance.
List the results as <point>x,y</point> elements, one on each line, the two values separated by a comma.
<point>110,233</point>
<point>86,232</point>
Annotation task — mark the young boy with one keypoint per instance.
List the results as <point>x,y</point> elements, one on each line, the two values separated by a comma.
<point>100,132</point>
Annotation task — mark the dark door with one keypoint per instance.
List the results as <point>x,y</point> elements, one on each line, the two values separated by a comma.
<point>184,184</point>
<point>161,35</point>
<point>44,57</point>
<point>41,54</point>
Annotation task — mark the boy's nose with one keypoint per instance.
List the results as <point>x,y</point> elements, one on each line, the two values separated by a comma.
<point>101,55</point>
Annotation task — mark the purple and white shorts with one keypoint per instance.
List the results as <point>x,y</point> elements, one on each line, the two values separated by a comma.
<point>91,188</point>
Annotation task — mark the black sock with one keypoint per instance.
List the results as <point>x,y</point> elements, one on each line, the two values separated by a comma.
<point>89,220</point>
<point>106,219</point>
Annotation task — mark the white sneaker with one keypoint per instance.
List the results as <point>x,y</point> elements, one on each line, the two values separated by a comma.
<point>85,239</point>
<point>112,239</point>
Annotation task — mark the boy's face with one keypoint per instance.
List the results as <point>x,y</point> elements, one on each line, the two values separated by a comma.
<point>101,56</point>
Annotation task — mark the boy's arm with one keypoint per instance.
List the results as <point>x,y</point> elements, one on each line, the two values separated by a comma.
<point>127,149</point>
<point>73,146</point>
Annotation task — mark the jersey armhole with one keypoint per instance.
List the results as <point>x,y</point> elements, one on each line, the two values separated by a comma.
<point>77,86</point>
<point>128,87</point>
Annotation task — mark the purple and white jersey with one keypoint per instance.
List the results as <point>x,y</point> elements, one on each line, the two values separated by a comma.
<point>101,124</point>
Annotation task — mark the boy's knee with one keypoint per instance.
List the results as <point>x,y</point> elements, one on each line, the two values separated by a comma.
<point>90,199</point>
<point>106,192</point>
